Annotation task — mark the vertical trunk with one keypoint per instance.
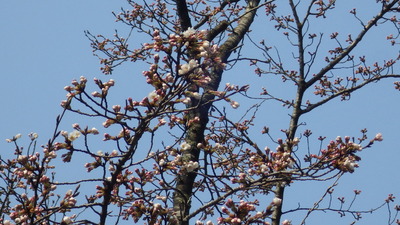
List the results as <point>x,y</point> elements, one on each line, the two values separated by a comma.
<point>277,213</point>
<point>294,123</point>
<point>195,133</point>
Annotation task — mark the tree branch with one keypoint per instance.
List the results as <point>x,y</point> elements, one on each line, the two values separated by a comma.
<point>349,48</point>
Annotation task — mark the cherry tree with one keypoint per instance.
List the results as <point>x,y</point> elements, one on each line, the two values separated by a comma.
<point>179,153</point>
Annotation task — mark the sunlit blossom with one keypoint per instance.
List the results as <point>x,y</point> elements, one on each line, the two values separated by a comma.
<point>296,141</point>
<point>350,165</point>
<point>190,166</point>
<point>185,146</point>
<point>94,131</point>
<point>186,101</point>
<point>236,221</point>
<point>196,95</point>
<point>74,135</point>
<point>162,162</point>
<point>154,97</point>
<point>189,32</point>
<point>185,68</point>
<point>67,220</point>
<point>277,201</point>
<point>22,159</point>
<point>33,135</point>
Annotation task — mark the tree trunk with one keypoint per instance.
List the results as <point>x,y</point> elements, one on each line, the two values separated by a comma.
<point>195,133</point>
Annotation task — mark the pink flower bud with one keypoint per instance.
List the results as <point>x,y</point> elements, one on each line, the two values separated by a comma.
<point>116,108</point>
<point>68,88</point>
<point>378,137</point>
<point>229,202</point>
<point>287,222</point>
<point>75,83</point>
<point>83,79</point>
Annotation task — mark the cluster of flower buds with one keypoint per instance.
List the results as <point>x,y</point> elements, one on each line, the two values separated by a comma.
<point>340,154</point>
<point>241,213</point>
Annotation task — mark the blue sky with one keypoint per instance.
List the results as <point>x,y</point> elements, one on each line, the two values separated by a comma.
<point>43,48</point>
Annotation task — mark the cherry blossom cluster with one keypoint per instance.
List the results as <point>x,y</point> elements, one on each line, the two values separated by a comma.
<point>341,154</point>
<point>264,167</point>
<point>171,159</point>
<point>240,213</point>
<point>193,70</point>
<point>174,81</point>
